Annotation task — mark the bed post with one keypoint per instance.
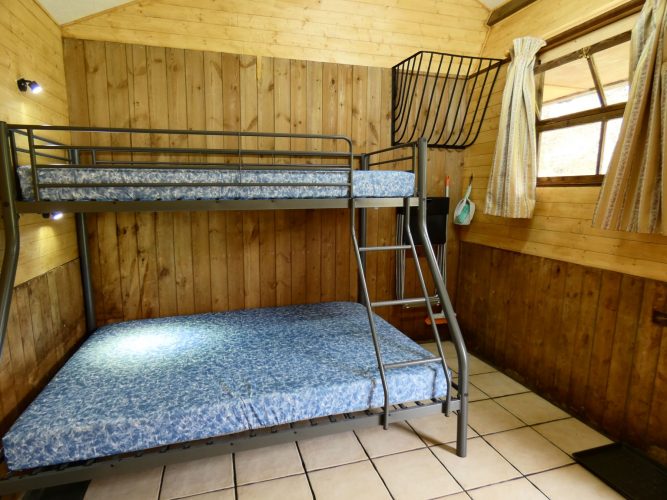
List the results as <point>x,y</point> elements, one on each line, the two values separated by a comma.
<point>448,309</point>
<point>362,236</point>
<point>86,282</point>
<point>11,228</point>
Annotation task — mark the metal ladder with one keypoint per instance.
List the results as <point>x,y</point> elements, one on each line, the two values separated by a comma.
<point>360,251</point>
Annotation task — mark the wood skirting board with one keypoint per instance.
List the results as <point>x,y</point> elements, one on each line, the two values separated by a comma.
<point>581,337</point>
<point>46,324</point>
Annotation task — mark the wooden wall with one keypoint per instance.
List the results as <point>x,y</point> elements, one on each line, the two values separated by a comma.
<point>561,227</point>
<point>149,265</point>
<point>43,326</point>
<point>365,32</point>
<point>31,47</point>
<point>580,336</point>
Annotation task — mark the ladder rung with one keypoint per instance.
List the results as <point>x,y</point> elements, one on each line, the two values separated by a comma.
<point>414,362</point>
<point>385,247</point>
<point>398,302</point>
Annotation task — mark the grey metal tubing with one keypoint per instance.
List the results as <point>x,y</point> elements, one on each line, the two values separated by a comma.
<point>11,229</point>
<point>363,288</point>
<point>70,473</point>
<point>41,207</point>
<point>383,248</point>
<point>363,227</point>
<point>448,309</point>
<point>427,303</point>
<point>86,280</point>
<point>400,302</point>
<point>414,362</point>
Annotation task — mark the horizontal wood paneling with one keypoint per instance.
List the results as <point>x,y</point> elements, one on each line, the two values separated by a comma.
<point>580,336</point>
<point>147,265</point>
<point>365,32</point>
<point>561,228</point>
<point>31,47</point>
<point>46,324</point>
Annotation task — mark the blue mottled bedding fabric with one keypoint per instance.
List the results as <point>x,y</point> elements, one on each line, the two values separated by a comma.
<point>367,184</point>
<point>142,384</point>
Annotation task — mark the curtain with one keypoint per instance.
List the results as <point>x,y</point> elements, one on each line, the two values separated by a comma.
<point>511,189</point>
<point>634,193</point>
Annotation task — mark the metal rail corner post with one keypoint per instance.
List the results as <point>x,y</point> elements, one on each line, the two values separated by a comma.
<point>86,281</point>
<point>448,309</point>
<point>11,230</point>
<point>362,234</point>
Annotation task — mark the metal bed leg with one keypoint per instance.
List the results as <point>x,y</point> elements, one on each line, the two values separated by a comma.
<point>448,309</point>
<point>11,229</point>
<point>86,281</point>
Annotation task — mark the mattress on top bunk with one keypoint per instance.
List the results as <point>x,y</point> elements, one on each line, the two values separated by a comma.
<point>141,384</point>
<point>367,184</point>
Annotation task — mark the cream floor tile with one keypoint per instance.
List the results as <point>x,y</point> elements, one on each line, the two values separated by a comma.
<point>456,496</point>
<point>572,435</point>
<point>482,466</point>
<point>415,475</point>
<point>488,416</point>
<point>142,485</point>
<point>572,482</point>
<point>437,429</point>
<point>517,489</point>
<point>531,408</point>
<point>528,451</point>
<point>227,494</point>
<point>293,487</point>
<point>348,482</point>
<point>267,463</point>
<point>497,384</point>
<point>197,476</point>
<point>476,394</point>
<point>476,366</point>
<point>330,451</point>
<point>398,438</point>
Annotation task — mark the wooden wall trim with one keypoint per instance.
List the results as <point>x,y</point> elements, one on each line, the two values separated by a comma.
<point>506,10</point>
<point>579,336</point>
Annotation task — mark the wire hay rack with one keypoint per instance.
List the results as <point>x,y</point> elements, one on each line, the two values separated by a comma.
<point>443,97</point>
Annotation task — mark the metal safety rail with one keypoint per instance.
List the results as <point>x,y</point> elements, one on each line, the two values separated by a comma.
<point>115,148</point>
<point>442,97</point>
<point>417,157</point>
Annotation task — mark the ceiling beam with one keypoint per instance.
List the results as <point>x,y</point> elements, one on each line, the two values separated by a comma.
<point>506,10</point>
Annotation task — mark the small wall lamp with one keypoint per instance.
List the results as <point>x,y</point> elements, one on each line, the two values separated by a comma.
<point>24,85</point>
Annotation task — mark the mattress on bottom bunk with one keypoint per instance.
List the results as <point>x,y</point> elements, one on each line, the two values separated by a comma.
<point>141,384</point>
<point>367,184</point>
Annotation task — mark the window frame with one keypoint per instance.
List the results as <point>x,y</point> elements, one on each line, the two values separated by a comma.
<point>602,114</point>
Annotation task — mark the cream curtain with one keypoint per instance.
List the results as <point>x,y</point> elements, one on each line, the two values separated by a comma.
<point>634,192</point>
<point>511,189</point>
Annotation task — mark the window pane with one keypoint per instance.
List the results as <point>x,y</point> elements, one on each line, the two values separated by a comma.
<point>610,139</point>
<point>568,89</point>
<point>613,67</point>
<point>569,151</point>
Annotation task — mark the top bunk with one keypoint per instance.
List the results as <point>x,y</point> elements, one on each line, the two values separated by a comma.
<point>51,169</point>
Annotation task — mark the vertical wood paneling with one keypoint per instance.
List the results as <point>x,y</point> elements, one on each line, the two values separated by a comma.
<point>194,262</point>
<point>587,341</point>
<point>45,324</point>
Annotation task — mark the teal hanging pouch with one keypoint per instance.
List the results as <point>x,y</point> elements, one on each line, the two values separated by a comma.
<point>465,209</point>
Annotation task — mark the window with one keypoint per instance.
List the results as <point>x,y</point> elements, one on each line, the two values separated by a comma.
<point>581,99</point>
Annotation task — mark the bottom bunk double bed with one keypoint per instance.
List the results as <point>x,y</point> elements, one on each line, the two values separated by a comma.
<point>145,384</point>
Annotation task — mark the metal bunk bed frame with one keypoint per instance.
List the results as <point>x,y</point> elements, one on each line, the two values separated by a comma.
<point>40,148</point>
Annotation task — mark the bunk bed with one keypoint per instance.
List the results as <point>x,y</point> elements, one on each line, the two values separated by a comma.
<point>159,391</point>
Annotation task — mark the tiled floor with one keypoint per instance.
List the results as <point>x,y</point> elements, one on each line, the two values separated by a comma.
<point>519,447</point>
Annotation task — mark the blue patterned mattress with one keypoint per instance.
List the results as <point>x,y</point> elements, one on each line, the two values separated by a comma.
<point>142,384</point>
<point>176,184</point>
